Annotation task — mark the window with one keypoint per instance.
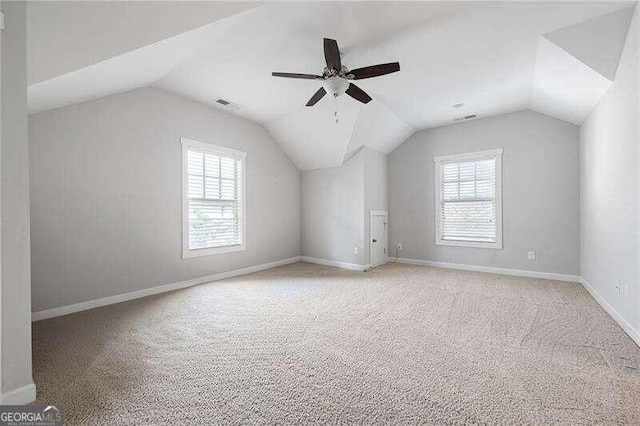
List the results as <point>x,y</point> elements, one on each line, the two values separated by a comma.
<point>212,199</point>
<point>469,199</point>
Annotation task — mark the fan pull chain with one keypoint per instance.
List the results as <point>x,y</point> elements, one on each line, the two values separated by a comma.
<point>335,114</point>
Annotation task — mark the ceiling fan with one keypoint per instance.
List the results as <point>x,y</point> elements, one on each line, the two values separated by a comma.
<point>336,76</point>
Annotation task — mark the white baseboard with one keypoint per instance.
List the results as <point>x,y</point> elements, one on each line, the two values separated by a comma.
<point>623,323</point>
<point>27,393</point>
<point>325,262</point>
<point>371,265</point>
<point>19,396</point>
<point>83,306</point>
<point>492,270</point>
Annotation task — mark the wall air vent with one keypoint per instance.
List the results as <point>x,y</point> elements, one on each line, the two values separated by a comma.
<point>465,118</point>
<point>222,102</point>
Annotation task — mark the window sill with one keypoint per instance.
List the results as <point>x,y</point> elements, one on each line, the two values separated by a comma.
<point>186,254</point>
<point>474,244</point>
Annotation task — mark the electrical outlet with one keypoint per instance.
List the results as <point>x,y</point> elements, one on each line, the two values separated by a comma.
<point>355,250</point>
<point>532,255</point>
<point>399,246</point>
<point>622,288</point>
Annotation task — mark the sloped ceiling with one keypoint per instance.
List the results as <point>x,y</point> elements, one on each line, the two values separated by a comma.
<point>316,149</point>
<point>494,57</point>
<point>563,86</point>
<point>138,68</point>
<point>597,42</point>
<point>576,65</point>
<point>65,36</point>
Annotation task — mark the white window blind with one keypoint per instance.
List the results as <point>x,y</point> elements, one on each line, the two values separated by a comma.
<point>213,199</point>
<point>468,188</point>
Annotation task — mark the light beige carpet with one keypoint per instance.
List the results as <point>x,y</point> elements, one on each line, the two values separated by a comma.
<point>313,344</point>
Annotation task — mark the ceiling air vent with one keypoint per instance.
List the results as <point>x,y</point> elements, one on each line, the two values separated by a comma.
<point>227,103</point>
<point>465,118</point>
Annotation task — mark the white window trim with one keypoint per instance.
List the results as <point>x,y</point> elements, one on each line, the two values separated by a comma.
<point>219,150</point>
<point>471,156</point>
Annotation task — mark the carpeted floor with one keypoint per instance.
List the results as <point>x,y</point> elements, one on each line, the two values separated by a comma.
<point>306,344</point>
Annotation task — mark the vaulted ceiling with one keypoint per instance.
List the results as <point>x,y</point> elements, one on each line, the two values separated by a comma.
<point>557,58</point>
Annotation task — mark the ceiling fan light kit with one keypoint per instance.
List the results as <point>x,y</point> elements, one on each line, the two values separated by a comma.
<point>336,86</point>
<point>336,76</point>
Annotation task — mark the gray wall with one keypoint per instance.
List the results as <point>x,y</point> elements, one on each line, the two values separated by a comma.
<point>335,206</point>
<point>332,206</point>
<point>106,196</point>
<point>610,187</point>
<point>540,191</point>
<point>14,168</point>
<point>376,190</point>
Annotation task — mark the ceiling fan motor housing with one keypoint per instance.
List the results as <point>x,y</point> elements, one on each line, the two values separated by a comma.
<point>336,86</point>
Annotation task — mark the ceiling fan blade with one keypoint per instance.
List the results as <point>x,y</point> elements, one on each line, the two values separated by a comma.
<point>375,70</point>
<point>332,54</point>
<point>316,97</point>
<point>358,94</point>
<point>294,75</point>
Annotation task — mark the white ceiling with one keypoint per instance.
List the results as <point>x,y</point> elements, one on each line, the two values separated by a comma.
<point>288,37</point>
<point>576,65</point>
<point>140,67</point>
<point>597,42</point>
<point>563,86</point>
<point>490,55</point>
<point>66,36</point>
